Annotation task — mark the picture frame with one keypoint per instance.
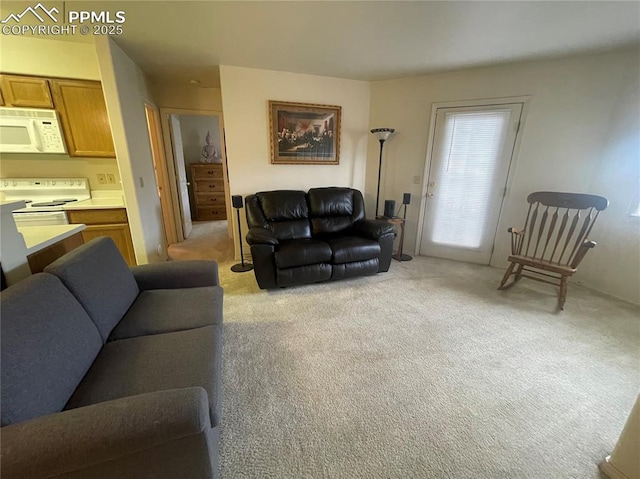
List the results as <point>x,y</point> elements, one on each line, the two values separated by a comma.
<point>304,133</point>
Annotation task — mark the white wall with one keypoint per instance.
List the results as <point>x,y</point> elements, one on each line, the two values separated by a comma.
<point>48,58</point>
<point>178,95</point>
<point>125,93</point>
<point>194,129</point>
<point>614,265</point>
<point>572,104</point>
<point>245,96</point>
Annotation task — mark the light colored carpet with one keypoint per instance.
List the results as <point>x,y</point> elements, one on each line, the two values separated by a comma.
<point>207,240</point>
<point>423,372</point>
<point>426,371</point>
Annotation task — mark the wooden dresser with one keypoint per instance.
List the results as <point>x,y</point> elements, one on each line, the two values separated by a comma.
<point>208,189</point>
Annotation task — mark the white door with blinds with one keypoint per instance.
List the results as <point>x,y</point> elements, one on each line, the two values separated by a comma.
<point>470,161</point>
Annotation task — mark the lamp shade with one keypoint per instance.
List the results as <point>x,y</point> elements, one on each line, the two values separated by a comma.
<point>382,133</point>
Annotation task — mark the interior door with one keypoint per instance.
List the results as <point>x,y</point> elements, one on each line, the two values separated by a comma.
<point>181,175</point>
<point>472,151</point>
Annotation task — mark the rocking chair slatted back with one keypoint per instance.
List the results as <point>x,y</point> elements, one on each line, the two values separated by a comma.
<point>556,244</point>
<point>570,208</point>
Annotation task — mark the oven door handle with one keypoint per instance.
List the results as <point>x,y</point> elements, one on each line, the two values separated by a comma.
<point>35,133</point>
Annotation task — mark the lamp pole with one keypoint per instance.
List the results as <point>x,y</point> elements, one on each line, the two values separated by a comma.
<point>379,172</point>
<point>381,134</point>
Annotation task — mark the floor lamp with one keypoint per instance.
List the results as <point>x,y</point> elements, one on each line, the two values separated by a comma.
<point>382,134</point>
<point>242,267</point>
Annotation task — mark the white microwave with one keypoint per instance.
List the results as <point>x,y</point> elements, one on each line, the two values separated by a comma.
<point>30,130</point>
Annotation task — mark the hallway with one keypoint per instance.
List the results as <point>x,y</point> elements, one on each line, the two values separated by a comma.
<point>208,240</point>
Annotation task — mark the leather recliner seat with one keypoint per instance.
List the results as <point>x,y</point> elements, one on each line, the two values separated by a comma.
<point>322,235</point>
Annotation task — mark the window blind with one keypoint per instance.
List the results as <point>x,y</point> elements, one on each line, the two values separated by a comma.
<point>470,154</point>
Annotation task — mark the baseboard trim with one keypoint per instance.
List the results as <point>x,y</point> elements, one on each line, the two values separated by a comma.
<point>610,471</point>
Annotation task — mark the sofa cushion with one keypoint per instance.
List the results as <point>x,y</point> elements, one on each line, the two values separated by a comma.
<point>334,209</point>
<point>97,275</point>
<point>155,363</point>
<point>352,248</point>
<point>302,252</point>
<point>47,344</point>
<point>160,311</point>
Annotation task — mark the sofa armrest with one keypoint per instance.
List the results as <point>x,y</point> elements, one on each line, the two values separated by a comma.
<point>176,274</point>
<point>372,229</point>
<point>88,436</point>
<point>257,235</point>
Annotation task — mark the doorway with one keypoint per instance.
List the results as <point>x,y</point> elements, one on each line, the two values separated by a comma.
<point>471,155</point>
<point>197,168</point>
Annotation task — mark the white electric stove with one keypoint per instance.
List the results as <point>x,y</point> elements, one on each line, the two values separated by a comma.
<point>44,197</point>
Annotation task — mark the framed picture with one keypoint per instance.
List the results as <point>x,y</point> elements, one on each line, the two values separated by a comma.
<point>304,133</point>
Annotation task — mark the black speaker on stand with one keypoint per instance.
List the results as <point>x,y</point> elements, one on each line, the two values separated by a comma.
<point>242,267</point>
<point>406,199</point>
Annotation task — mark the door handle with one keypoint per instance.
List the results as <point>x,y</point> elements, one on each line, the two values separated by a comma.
<point>430,195</point>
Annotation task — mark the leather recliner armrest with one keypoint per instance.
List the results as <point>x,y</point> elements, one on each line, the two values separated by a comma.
<point>373,229</point>
<point>257,235</point>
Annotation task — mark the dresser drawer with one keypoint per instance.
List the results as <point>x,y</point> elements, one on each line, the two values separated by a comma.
<point>210,199</point>
<point>204,186</point>
<point>205,213</point>
<point>207,171</point>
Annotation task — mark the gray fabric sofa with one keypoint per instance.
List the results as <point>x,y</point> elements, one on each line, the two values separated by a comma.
<point>110,371</point>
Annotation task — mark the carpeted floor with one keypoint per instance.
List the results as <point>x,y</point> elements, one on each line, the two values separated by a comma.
<point>207,240</point>
<point>426,371</point>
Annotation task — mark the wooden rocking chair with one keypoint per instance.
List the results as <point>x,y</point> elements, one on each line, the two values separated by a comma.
<point>554,252</point>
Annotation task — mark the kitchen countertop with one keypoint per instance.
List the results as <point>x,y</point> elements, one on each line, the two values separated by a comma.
<point>96,204</point>
<point>37,238</point>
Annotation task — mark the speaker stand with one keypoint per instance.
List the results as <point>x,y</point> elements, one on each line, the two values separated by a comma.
<point>240,267</point>
<point>399,256</point>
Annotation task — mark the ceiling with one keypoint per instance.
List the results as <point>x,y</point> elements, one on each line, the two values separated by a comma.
<point>371,40</point>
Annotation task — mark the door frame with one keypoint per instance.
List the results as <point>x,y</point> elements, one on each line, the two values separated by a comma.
<point>159,164</point>
<point>170,166</point>
<point>525,99</point>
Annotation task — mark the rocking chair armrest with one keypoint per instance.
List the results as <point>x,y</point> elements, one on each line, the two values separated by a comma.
<point>582,251</point>
<point>517,238</point>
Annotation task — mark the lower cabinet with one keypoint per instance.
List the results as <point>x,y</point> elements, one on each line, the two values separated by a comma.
<point>43,258</point>
<point>107,222</point>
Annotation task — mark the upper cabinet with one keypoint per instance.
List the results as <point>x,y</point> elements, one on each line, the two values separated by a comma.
<point>84,118</point>
<point>19,91</point>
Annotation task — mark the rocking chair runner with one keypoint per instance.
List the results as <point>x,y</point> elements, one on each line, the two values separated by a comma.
<point>550,245</point>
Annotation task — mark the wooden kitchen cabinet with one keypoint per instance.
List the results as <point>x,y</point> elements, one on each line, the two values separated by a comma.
<point>208,191</point>
<point>107,222</point>
<point>20,91</point>
<point>39,260</point>
<point>83,114</point>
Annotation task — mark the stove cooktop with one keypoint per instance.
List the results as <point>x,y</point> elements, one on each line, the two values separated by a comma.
<point>44,194</point>
<point>50,203</point>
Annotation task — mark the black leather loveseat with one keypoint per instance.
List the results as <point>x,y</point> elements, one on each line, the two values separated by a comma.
<point>299,237</point>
